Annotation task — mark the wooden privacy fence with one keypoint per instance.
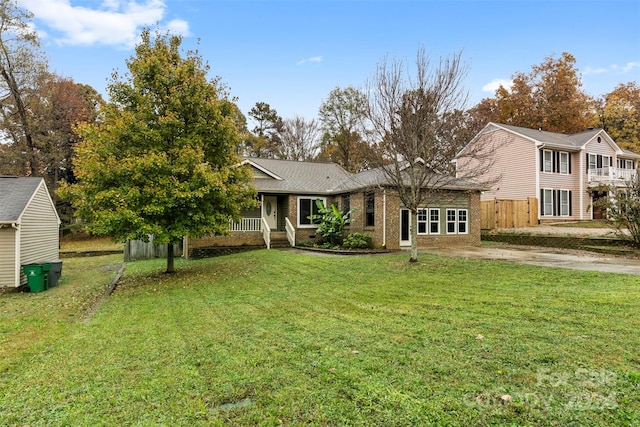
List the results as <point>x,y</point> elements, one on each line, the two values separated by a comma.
<point>499,213</point>
<point>138,249</point>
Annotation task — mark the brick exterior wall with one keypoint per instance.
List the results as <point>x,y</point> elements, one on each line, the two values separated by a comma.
<point>389,238</point>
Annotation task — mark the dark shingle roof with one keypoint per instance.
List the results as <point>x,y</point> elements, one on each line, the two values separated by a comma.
<point>329,178</point>
<point>299,177</point>
<point>15,193</point>
<point>553,138</point>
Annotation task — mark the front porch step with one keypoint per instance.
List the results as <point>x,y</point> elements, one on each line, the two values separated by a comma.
<point>279,243</point>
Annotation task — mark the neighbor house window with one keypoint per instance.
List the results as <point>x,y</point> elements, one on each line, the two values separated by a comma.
<point>434,221</point>
<point>547,156</point>
<point>628,164</point>
<point>565,203</point>
<point>307,207</point>
<point>369,208</point>
<point>564,163</point>
<point>593,161</point>
<point>547,202</point>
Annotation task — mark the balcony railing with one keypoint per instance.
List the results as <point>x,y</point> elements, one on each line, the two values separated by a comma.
<point>611,174</point>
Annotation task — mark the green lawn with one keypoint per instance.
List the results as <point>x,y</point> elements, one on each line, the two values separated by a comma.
<point>271,337</point>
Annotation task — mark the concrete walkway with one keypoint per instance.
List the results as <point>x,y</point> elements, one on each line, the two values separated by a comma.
<point>547,257</point>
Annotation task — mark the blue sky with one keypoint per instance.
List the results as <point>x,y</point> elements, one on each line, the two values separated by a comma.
<point>291,54</point>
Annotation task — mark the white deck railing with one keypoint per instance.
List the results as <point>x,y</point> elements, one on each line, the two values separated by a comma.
<point>611,174</point>
<point>246,224</point>
<point>291,232</point>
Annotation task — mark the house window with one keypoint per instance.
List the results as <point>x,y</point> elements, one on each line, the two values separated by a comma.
<point>565,203</point>
<point>451,221</point>
<point>307,207</point>
<point>346,203</point>
<point>462,221</point>
<point>547,202</point>
<point>593,161</point>
<point>547,161</point>
<point>628,164</point>
<point>422,221</point>
<point>434,221</point>
<point>369,208</point>
<point>564,163</point>
<point>606,161</point>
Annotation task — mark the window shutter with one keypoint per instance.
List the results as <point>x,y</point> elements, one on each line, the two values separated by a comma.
<point>541,160</point>
<point>569,156</point>
<point>541,202</point>
<point>555,202</point>
<point>599,161</point>
<point>587,162</point>
<point>570,211</point>
<point>553,161</point>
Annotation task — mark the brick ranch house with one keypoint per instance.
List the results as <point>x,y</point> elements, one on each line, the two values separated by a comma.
<point>287,191</point>
<point>562,172</point>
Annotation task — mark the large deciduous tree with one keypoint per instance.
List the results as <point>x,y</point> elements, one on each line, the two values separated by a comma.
<point>161,161</point>
<point>21,62</point>
<point>550,97</point>
<point>298,139</point>
<point>343,118</point>
<point>417,120</point>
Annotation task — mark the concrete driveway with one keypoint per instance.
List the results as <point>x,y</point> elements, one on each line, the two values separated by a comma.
<point>547,257</point>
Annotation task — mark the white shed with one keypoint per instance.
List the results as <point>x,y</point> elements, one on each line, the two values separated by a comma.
<point>29,227</point>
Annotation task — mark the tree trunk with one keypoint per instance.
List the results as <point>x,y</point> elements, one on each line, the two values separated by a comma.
<point>170,267</point>
<point>413,231</point>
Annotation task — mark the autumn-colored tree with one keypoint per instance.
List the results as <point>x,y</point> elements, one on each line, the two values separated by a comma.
<point>619,115</point>
<point>550,97</point>
<point>161,161</point>
<point>58,104</point>
<point>343,117</point>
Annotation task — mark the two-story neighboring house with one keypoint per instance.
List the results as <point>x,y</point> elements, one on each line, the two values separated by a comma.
<point>563,172</point>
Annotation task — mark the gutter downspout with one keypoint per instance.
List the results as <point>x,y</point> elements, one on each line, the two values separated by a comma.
<point>540,208</point>
<point>384,217</point>
<point>582,179</point>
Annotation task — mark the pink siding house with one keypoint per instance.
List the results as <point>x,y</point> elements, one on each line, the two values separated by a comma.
<point>562,171</point>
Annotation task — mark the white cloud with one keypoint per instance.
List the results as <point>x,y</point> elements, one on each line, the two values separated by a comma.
<point>626,68</point>
<point>590,70</point>
<point>316,59</point>
<point>496,83</point>
<point>114,22</point>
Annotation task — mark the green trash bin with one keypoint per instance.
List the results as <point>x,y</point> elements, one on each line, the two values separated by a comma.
<point>35,277</point>
<point>46,268</point>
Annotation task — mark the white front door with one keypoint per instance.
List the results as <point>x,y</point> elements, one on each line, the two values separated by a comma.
<point>405,227</point>
<point>270,211</point>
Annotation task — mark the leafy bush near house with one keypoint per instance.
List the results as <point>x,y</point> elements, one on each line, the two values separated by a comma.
<point>357,241</point>
<point>331,222</point>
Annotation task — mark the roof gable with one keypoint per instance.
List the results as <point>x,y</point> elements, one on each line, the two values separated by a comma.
<point>15,195</point>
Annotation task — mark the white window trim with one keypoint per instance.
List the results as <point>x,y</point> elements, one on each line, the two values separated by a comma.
<point>313,199</point>
<point>546,202</point>
<point>465,222</point>
<point>429,222</point>
<point>544,161</point>
<point>566,155</point>
<point>454,222</point>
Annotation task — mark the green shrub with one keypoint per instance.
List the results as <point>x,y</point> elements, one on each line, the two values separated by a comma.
<point>358,241</point>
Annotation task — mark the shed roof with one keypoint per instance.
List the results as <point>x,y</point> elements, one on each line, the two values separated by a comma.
<point>15,194</point>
